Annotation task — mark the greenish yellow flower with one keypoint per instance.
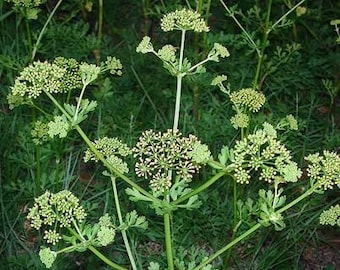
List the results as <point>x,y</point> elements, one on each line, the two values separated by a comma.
<point>58,127</point>
<point>55,210</point>
<point>248,99</point>
<point>167,53</point>
<point>240,120</point>
<point>111,149</point>
<point>184,19</point>
<point>39,133</point>
<point>37,78</point>
<point>219,79</point>
<point>324,169</point>
<point>88,73</point>
<point>107,232</point>
<point>145,46</point>
<point>52,237</point>
<point>218,51</point>
<point>158,154</point>
<point>114,65</point>
<point>71,79</point>
<point>331,216</point>
<point>261,152</point>
<point>47,256</point>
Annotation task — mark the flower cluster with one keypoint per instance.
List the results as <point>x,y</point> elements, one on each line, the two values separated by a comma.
<point>27,7</point>
<point>111,149</point>
<point>240,120</point>
<point>113,65</point>
<point>39,77</point>
<point>47,256</point>
<point>248,99</point>
<point>162,153</point>
<point>71,79</point>
<point>55,210</point>
<point>88,73</point>
<point>39,132</point>
<point>184,19</point>
<point>145,46</point>
<point>58,127</point>
<point>262,153</point>
<point>218,51</point>
<point>167,53</point>
<point>324,170</point>
<point>106,232</point>
<point>331,216</point>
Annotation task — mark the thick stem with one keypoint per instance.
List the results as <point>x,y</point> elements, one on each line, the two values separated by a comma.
<point>179,83</point>
<point>120,218</point>
<point>168,241</point>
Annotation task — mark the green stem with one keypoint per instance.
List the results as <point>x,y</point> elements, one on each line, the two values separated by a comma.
<point>179,83</point>
<point>200,188</point>
<point>255,228</point>
<point>120,218</point>
<point>79,102</point>
<point>263,45</point>
<point>231,14</point>
<point>29,36</point>
<point>105,259</point>
<point>168,241</point>
<point>44,29</point>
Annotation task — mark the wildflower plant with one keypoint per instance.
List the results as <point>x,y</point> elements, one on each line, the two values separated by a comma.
<point>168,161</point>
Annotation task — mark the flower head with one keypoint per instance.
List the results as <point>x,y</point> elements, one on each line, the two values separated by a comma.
<point>47,256</point>
<point>39,132</point>
<point>240,120</point>
<point>160,153</point>
<point>248,99</point>
<point>263,154</point>
<point>114,65</point>
<point>88,73</point>
<point>331,216</point>
<point>55,210</point>
<point>324,169</point>
<point>145,45</point>
<point>106,232</point>
<point>111,149</point>
<point>58,127</point>
<point>184,19</point>
<point>37,78</point>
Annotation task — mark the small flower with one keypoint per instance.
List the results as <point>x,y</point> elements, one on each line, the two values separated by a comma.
<point>269,129</point>
<point>219,79</point>
<point>240,120</point>
<point>158,154</point>
<point>184,19</point>
<point>167,53</point>
<point>37,78</point>
<point>88,73</point>
<point>145,46</point>
<point>52,237</point>
<point>331,216</point>
<point>47,256</point>
<point>248,98</point>
<point>218,51</point>
<point>71,79</point>
<point>106,232</point>
<point>39,133</point>
<point>293,124</point>
<point>263,153</point>
<point>114,65</point>
<point>324,170</point>
<point>301,11</point>
<point>58,127</point>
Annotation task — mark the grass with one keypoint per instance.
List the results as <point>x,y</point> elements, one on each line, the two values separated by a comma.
<point>143,98</point>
